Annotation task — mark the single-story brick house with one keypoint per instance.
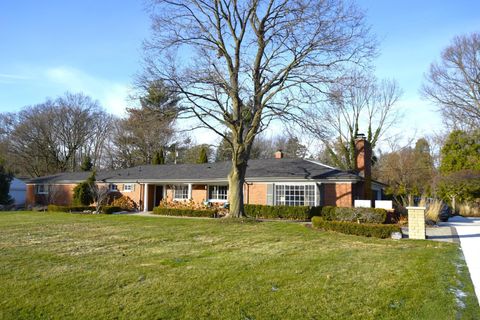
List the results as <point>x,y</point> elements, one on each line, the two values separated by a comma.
<point>276,181</point>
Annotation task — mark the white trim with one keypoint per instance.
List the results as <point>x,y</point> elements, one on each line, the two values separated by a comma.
<point>145,197</point>
<point>183,186</point>
<point>217,200</point>
<point>189,191</point>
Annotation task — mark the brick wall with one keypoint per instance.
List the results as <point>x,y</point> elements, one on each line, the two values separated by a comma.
<point>30,195</point>
<point>136,194</point>
<point>60,194</point>
<point>337,194</point>
<point>199,193</point>
<point>255,193</point>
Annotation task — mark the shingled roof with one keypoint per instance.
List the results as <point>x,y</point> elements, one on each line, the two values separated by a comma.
<point>258,170</point>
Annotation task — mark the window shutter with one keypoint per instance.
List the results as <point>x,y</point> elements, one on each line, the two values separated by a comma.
<point>270,194</point>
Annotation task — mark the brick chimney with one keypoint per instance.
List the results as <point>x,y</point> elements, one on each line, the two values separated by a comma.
<point>363,164</point>
<point>279,154</point>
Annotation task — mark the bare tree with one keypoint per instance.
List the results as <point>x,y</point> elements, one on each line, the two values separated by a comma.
<point>360,104</point>
<point>54,136</point>
<point>238,65</point>
<point>56,194</point>
<point>100,193</point>
<point>454,83</point>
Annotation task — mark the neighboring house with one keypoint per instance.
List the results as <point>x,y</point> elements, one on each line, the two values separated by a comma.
<point>276,181</point>
<point>18,191</point>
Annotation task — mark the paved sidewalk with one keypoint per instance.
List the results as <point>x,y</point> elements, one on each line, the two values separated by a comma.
<point>468,230</point>
<point>438,233</point>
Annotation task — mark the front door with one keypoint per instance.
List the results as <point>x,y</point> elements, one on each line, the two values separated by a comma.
<point>158,195</point>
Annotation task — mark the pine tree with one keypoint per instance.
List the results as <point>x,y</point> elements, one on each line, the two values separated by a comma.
<point>203,158</point>
<point>83,192</point>
<point>224,150</point>
<point>5,180</point>
<point>87,164</point>
<point>158,158</point>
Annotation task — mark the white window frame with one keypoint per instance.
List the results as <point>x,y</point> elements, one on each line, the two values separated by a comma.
<point>216,192</point>
<point>184,192</point>
<point>131,187</point>
<point>41,188</point>
<point>112,187</point>
<point>277,201</point>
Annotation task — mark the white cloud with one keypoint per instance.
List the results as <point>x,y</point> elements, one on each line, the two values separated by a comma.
<point>111,94</point>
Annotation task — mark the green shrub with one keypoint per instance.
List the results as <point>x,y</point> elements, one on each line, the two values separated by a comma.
<point>211,213</point>
<point>110,209</point>
<point>55,208</point>
<point>362,215</point>
<point>359,229</point>
<point>328,213</point>
<point>281,212</point>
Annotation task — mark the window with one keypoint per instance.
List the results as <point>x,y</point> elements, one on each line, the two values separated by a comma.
<point>218,193</point>
<point>112,187</point>
<point>295,195</point>
<point>41,189</point>
<point>180,192</point>
<point>128,187</point>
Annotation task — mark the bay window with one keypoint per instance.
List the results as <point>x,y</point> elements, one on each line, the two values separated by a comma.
<point>295,194</point>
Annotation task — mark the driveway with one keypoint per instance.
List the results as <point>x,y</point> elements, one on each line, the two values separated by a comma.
<point>468,230</point>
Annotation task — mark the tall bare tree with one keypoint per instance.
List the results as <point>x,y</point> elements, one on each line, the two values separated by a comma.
<point>359,104</point>
<point>50,137</point>
<point>454,83</point>
<point>237,65</point>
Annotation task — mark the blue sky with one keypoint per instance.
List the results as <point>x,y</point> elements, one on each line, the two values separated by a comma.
<point>49,47</point>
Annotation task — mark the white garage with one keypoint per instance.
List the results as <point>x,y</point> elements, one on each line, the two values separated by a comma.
<point>18,191</point>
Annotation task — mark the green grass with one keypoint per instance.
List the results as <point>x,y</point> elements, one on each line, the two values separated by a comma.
<point>59,265</point>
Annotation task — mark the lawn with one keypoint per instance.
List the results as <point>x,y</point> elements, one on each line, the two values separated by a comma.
<point>59,265</point>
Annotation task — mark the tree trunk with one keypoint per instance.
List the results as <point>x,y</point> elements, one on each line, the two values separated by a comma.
<point>236,180</point>
<point>454,205</point>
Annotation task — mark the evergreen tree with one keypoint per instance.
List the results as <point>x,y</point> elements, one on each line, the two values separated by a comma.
<point>203,158</point>
<point>461,151</point>
<point>87,164</point>
<point>224,150</point>
<point>159,157</point>
<point>5,179</point>
<point>460,167</point>
<point>423,169</point>
<point>83,192</point>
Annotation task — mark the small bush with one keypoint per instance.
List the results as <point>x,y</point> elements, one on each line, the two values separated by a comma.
<point>281,212</point>
<point>362,215</point>
<point>125,203</point>
<point>469,209</point>
<point>111,209</point>
<point>328,213</point>
<point>55,208</point>
<point>185,212</point>
<point>360,229</point>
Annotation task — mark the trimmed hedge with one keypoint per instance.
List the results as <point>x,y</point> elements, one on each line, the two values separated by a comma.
<point>104,209</point>
<point>281,212</point>
<point>360,229</point>
<point>184,212</point>
<point>53,207</point>
<point>362,215</point>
